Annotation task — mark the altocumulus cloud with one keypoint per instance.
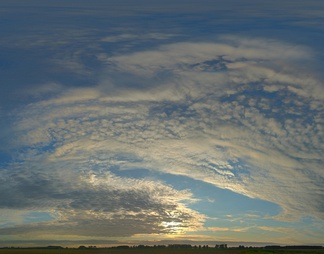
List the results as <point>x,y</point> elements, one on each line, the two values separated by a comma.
<point>241,114</point>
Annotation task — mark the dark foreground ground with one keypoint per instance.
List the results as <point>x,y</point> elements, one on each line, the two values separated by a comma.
<point>159,251</point>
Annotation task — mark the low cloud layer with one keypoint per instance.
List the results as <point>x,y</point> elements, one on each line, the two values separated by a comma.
<point>242,114</point>
<point>113,206</point>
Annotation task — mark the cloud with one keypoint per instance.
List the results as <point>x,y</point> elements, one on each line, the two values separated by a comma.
<point>113,206</point>
<point>230,48</point>
<point>136,37</point>
<point>232,113</point>
<point>41,91</point>
<point>219,229</point>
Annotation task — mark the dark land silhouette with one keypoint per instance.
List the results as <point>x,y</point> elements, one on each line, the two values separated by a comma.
<point>165,249</point>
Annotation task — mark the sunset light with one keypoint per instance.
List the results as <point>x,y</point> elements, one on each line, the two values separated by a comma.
<point>161,123</point>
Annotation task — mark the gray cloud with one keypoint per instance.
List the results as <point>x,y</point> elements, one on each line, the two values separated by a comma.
<point>113,206</point>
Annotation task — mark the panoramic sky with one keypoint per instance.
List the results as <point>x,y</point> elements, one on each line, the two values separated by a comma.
<point>157,122</point>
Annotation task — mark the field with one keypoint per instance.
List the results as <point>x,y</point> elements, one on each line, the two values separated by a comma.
<point>159,251</point>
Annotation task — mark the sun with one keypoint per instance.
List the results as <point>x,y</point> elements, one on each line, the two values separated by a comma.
<point>173,227</point>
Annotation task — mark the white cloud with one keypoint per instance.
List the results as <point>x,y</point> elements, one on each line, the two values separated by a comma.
<point>226,113</point>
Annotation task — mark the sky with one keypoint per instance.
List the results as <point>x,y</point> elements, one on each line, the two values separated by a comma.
<point>158,122</point>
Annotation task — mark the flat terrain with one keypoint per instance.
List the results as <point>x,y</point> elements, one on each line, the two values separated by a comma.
<point>159,251</point>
